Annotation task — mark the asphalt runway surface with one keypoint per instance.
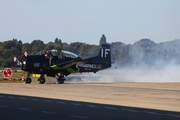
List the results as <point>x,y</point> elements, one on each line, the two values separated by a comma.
<point>93,101</point>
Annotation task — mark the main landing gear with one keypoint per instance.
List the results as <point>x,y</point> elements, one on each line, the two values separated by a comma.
<point>41,79</point>
<point>60,78</point>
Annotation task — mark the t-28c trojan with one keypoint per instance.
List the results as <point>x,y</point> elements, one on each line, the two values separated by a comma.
<point>54,66</point>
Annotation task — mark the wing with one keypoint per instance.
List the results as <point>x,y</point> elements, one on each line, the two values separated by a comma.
<point>67,64</point>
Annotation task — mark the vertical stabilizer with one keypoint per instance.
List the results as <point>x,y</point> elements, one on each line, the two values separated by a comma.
<point>104,54</point>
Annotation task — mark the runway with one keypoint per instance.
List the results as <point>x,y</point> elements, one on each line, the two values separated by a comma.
<point>90,101</point>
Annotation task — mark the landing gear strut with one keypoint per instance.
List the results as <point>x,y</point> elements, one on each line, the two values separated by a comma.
<point>42,79</point>
<point>61,78</point>
<point>28,79</point>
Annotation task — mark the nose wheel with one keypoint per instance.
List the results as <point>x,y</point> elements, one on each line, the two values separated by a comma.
<point>28,79</point>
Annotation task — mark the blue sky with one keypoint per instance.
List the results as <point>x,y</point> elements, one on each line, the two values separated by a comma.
<point>85,21</point>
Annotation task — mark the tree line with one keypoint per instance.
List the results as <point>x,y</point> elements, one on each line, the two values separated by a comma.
<point>144,52</point>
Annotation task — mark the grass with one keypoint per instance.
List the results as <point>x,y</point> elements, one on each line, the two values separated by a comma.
<point>16,77</point>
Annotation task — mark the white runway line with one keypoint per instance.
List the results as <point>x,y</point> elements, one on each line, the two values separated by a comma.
<point>4,106</point>
<point>35,99</point>
<point>154,113</point>
<point>22,98</point>
<point>61,102</point>
<point>130,110</point>
<point>26,109</point>
<point>93,106</point>
<point>11,97</point>
<point>173,115</point>
<point>77,104</point>
<point>47,101</point>
<point>48,112</point>
<point>111,108</point>
<point>81,117</point>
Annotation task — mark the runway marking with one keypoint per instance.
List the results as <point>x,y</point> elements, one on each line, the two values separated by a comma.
<point>4,106</point>
<point>130,110</point>
<point>111,108</point>
<point>81,117</point>
<point>11,97</point>
<point>34,99</point>
<point>47,100</point>
<point>77,104</point>
<point>61,102</point>
<point>173,115</point>
<point>92,106</point>
<point>154,113</point>
<point>22,98</point>
<point>26,109</point>
<point>47,112</point>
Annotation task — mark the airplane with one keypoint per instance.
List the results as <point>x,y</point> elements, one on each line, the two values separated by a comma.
<point>66,64</point>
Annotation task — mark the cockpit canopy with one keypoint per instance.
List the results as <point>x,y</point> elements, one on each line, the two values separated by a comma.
<point>68,54</point>
<point>40,52</point>
<point>64,53</point>
<point>54,52</point>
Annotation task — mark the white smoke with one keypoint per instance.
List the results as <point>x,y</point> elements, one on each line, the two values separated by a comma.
<point>167,74</point>
<point>138,74</point>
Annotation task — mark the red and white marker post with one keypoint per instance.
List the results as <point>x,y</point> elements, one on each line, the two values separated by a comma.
<point>7,73</point>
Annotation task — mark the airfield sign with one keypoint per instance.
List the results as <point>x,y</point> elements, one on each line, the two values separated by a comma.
<point>7,73</point>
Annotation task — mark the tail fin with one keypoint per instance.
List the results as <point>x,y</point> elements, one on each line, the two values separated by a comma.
<point>99,62</point>
<point>104,54</point>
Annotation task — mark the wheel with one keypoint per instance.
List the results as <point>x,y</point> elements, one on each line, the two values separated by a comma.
<point>41,80</point>
<point>61,82</point>
<point>61,79</point>
<point>28,80</point>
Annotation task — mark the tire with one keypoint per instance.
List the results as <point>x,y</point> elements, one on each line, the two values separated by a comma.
<point>28,80</point>
<point>61,82</point>
<point>61,79</point>
<point>41,80</point>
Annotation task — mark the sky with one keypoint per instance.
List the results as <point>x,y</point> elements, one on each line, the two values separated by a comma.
<point>85,21</point>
